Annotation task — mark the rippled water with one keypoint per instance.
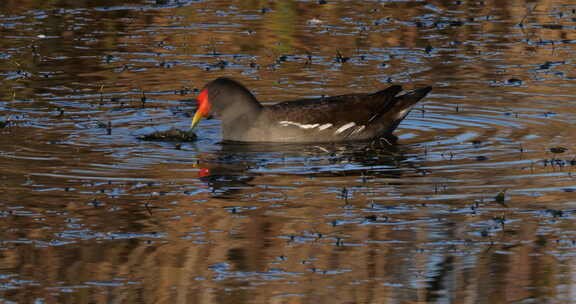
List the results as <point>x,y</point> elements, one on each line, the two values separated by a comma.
<point>474,204</point>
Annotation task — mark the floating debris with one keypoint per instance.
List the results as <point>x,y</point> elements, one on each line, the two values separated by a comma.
<point>558,149</point>
<point>550,64</point>
<point>170,135</point>
<point>340,58</point>
<point>315,21</point>
<point>554,212</point>
<point>514,81</point>
<point>500,198</point>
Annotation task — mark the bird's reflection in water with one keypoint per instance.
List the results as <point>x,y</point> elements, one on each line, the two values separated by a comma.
<point>233,169</point>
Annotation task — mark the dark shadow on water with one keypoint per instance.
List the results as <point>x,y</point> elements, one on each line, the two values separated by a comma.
<point>233,168</point>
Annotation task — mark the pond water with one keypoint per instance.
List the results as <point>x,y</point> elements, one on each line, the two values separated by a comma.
<point>476,203</point>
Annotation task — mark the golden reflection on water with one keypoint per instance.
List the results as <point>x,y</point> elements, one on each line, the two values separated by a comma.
<point>94,215</point>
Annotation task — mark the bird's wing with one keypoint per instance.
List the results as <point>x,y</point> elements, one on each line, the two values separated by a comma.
<point>342,110</point>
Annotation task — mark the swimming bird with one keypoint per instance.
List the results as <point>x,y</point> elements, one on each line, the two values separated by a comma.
<point>351,117</point>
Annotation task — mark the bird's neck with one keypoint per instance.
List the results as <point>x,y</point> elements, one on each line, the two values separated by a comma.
<point>239,116</point>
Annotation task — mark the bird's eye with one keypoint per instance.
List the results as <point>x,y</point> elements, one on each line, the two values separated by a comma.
<point>214,93</point>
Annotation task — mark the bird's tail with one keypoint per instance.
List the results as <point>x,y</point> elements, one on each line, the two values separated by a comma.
<point>396,109</point>
<point>404,104</point>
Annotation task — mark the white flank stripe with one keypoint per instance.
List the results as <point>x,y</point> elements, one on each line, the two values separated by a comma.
<point>324,126</point>
<point>345,127</point>
<point>286,123</point>
<point>402,113</point>
<point>359,129</point>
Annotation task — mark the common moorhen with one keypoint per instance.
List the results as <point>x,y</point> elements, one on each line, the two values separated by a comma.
<point>328,119</point>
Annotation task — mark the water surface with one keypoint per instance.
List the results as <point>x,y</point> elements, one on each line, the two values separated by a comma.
<point>475,203</point>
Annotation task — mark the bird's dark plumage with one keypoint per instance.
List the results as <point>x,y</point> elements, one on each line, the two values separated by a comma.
<point>330,119</point>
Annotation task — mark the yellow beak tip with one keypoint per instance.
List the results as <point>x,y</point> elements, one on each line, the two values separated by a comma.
<point>195,119</point>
